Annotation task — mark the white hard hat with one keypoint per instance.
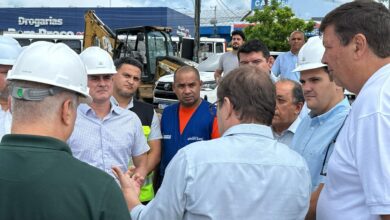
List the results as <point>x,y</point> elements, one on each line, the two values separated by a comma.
<point>310,55</point>
<point>51,64</point>
<point>10,50</point>
<point>97,61</point>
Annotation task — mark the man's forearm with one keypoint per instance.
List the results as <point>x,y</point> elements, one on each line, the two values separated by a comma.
<point>217,75</point>
<point>154,155</point>
<point>311,214</point>
<point>140,162</point>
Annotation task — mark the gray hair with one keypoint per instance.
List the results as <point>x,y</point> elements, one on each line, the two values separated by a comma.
<point>24,111</point>
<point>297,92</point>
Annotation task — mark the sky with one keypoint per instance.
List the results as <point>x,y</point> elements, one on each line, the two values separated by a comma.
<point>226,10</point>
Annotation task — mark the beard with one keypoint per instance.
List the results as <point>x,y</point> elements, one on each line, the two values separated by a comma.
<point>124,93</point>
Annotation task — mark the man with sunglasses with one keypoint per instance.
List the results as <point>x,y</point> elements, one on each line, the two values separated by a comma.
<point>316,134</point>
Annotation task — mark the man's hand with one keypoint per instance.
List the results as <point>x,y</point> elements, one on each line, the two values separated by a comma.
<point>131,185</point>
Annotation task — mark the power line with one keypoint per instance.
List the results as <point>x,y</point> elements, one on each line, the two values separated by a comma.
<point>227,7</point>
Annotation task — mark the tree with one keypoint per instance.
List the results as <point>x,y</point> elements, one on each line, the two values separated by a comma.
<point>274,24</point>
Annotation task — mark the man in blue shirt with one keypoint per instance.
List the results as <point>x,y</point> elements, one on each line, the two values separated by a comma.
<point>106,135</point>
<point>245,174</point>
<point>316,135</point>
<point>285,63</point>
<point>192,119</point>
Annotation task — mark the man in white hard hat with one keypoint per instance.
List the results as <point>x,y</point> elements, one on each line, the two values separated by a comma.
<point>39,178</point>
<point>106,135</point>
<point>356,37</point>
<point>10,50</point>
<point>317,132</point>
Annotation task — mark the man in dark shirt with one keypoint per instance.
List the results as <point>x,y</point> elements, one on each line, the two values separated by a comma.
<point>39,178</point>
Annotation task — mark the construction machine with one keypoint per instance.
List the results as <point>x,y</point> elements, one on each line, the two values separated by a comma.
<point>151,45</point>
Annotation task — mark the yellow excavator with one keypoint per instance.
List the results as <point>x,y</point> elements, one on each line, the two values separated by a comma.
<point>151,45</point>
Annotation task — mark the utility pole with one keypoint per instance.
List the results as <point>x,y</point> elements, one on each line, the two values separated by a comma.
<point>213,21</point>
<point>197,32</point>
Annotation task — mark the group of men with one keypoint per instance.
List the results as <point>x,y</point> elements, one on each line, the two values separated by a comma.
<point>250,155</point>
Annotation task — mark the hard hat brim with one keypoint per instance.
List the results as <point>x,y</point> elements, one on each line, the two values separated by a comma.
<point>100,72</point>
<point>8,62</point>
<point>309,66</point>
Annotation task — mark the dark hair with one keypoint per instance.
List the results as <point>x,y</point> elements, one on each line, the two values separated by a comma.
<point>186,68</point>
<point>369,18</point>
<point>251,92</point>
<point>254,46</point>
<point>239,32</point>
<point>297,91</point>
<point>128,60</point>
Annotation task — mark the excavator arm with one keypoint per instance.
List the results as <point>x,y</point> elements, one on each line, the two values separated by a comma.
<point>96,33</point>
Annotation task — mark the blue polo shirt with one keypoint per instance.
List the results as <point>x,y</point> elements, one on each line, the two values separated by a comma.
<point>315,135</point>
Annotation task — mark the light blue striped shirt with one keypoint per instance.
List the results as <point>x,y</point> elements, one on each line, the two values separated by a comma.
<point>245,174</point>
<point>315,134</point>
<point>108,142</point>
<point>284,65</point>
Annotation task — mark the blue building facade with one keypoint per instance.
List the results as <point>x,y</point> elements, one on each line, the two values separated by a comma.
<point>71,20</point>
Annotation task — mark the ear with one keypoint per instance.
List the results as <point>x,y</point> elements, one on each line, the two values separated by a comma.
<point>298,108</point>
<point>68,111</point>
<point>271,61</point>
<point>360,45</point>
<point>227,104</point>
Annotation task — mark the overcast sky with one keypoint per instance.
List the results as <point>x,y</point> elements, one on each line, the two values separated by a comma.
<point>227,10</point>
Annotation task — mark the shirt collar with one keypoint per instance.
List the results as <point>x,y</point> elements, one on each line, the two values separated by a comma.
<point>343,104</point>
<point>291,53</point>
<point>252,129</point>
<point>86,109</point>
<point>293,127</point>
<point>35,141</point>
<point>115,102</point>
<point>384,70</point>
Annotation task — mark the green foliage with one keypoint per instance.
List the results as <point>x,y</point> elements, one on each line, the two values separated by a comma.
<point>274,24</point>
